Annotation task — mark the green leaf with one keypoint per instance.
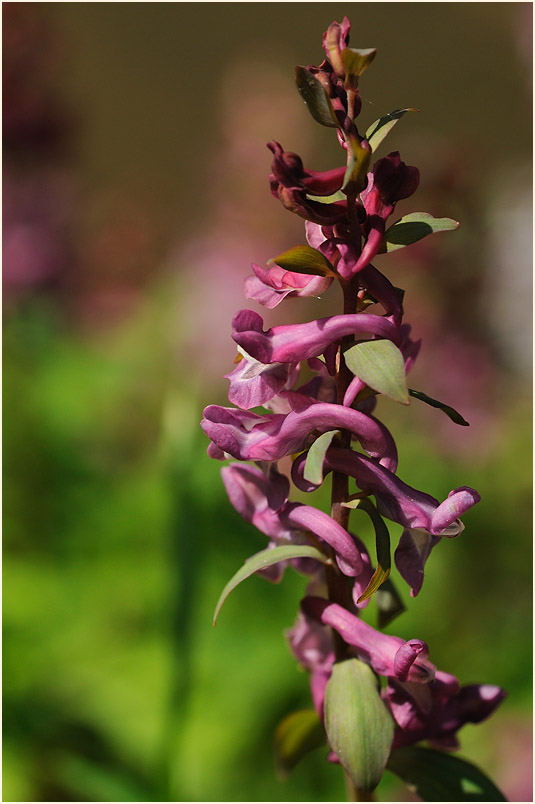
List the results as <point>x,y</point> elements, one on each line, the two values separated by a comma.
<point>359,727</point>
<point>356,175</point>
<point>436,776</point>
<point>414,227</point>
<point>328,199</point>
<point>449,411</point>
<point>382,546</point>
<point>313,471</point>
<point>381,127</point>
<point>356,60</point>
<point>316,98</point>
<point>304,260</point>
<point>266,559</point>
<point>295,736</point>
<point>380,365</point>
<point>389,603</point>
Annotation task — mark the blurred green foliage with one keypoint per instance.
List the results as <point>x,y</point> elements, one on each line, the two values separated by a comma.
<point>118,540</point>
<point>118,536</point>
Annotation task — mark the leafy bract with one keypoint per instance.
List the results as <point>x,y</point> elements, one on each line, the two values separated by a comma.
<point>389,603</point>
<point>359,728</point>
<point>382,546</point>
<point>381,127</point>
<point>313,469</point>
<point>454,415</point>
<point>380,365</point>
<point>414,227</point>
<point>356,60</point>
<point>304,259</point>
<point>296,735</point>
<point>356,175</point>
<point>316,98</point>
<point>436,776</point>
<point>266,559</point>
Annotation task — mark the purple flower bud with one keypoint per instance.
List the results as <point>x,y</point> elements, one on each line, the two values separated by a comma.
<point>390,181</point>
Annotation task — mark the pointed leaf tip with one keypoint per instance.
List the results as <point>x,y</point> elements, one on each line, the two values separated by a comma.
<point>313,469</point>
<point>380,365</point>
<point>296,735</point>
<point>304,259</point>
<point>436,776</point>
<point>359,728</point>
<point>316,98</point>
<point>414,227</point>
<point>266,559</point>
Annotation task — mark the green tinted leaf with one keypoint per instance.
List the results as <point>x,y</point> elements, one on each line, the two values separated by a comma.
<point>414,227</point>
<point>389,603</point>
<point>356,175</point>
<point>304,260</point>
<point>328,199</point>
<point>380,365</point>
<point>316,98</point>
<point>359,728</point>
<point>382,546</point>
<point>295,736</point>
<point>449,411</point>
<point>313,471</point>
<point>380,128</point>
<point>436,776</point>
<point>266,559</point>
<point>356,60</point>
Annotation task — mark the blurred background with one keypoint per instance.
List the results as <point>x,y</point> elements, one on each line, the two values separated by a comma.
<point>135,198</point>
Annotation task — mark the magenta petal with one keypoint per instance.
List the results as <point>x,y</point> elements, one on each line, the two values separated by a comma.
<point>375,648</point>
<point>406,657</point>
<point>249,436</point>
<point>271,285</point>
<point>321,524</point>
<point>445,520</point>
<point>258,498</point>
<point>264,294</point>
<point>253,384</point>
<point>411,554</point>
<point>294,342</point>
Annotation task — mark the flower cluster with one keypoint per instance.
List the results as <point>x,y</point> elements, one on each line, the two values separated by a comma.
<point>319,382</point>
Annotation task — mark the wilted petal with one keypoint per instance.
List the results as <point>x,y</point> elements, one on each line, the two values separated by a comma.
<point>295,342</point>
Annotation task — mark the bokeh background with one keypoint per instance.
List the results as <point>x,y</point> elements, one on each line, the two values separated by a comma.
<point>135,198</point>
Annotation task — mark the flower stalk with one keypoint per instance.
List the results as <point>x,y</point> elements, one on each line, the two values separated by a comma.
<point>354,358</point>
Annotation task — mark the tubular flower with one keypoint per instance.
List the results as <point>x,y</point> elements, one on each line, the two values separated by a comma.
<point>319,383</point>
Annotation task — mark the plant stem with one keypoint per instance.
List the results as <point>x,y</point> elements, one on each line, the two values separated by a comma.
<point>339,589</point>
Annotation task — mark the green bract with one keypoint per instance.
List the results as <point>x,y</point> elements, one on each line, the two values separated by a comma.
<point>304,260</point>
<point>380,365</point>
<point>316,98</point>
<point>266,559</point>
<point>414,227</point>
<point>359,728</point>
